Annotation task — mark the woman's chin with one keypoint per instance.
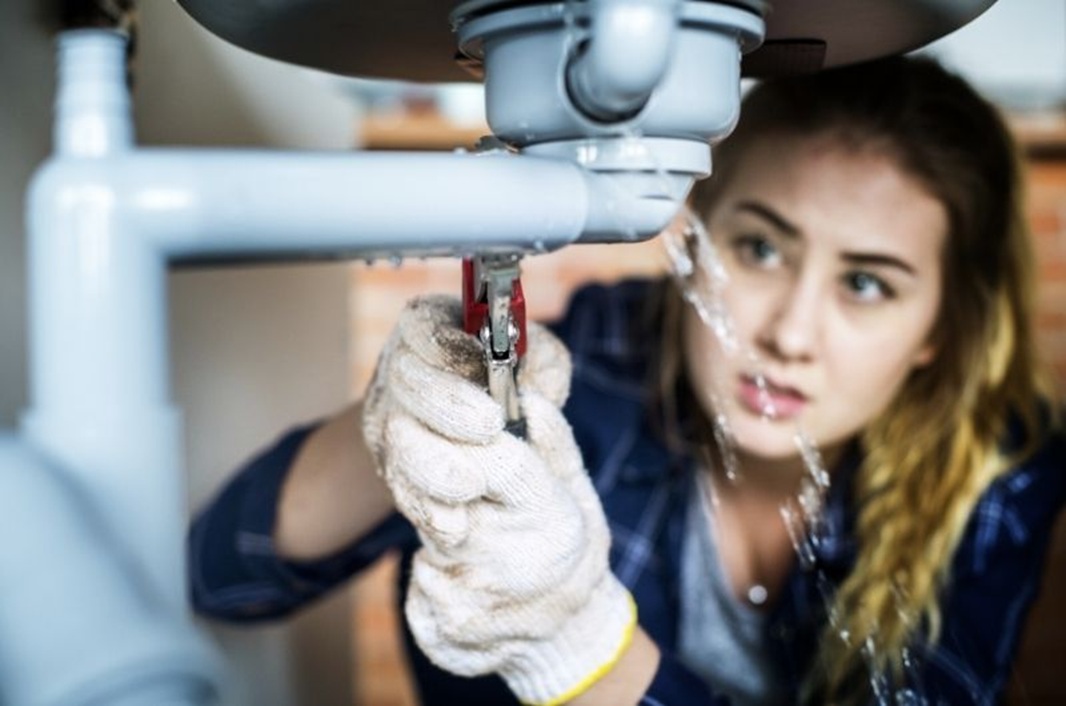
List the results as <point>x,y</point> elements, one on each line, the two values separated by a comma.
<point>767,439</point>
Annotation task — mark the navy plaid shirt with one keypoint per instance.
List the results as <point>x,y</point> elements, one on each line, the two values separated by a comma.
<point>236,575</point>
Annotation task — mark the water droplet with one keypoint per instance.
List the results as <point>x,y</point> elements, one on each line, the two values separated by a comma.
<point>880,688</point>
<point>765,400</point>
<point>878,681</point>
<point>810,501</point>
<point>913,675</point>
<point>812,459</point>
<point>908,662</point>
<point>910,697</point>
<point>797,535</point>
<point>700,276</point>
<point>396,260</point>
<point>540,246</point>
<point>724,439</point>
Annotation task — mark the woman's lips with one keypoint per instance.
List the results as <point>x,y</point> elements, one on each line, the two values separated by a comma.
<point>770,400</point>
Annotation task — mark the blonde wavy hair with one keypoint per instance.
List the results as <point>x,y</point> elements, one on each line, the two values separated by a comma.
<point>940,443</point>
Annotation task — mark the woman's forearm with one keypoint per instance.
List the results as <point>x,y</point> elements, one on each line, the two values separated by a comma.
<point>332,495</point>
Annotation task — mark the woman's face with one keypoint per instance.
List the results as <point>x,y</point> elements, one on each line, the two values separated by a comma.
<point>834,265</point>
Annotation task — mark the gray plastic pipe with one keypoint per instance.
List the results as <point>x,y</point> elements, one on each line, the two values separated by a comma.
<point>628,51</point>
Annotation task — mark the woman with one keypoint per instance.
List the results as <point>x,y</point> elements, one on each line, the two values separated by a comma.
<point>868,223</point>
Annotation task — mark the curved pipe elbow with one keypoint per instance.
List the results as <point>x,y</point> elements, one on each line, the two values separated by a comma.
<point>631,207</point>
<point>612,76</point>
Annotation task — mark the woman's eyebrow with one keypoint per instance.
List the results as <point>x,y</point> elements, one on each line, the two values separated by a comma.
<point>790,230</point>
<point>878,259</point>
<point>768,214</point>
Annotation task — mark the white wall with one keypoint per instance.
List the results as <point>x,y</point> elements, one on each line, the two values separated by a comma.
<point>1015,53</point>
<point>253,349</point>
<point>195,89</point>
<point>26,79</point>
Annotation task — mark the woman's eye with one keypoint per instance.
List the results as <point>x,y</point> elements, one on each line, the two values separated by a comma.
<point>867,287</point>
<point>756,250</point>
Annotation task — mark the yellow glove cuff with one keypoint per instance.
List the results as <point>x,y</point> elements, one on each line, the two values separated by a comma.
<point>601,671</point>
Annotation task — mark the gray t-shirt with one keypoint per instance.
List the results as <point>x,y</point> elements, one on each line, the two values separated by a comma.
<point>721,638</point>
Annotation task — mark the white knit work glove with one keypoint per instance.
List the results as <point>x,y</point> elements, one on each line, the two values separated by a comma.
<point>513,573</point>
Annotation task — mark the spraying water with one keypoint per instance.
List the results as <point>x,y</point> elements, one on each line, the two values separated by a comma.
<point>702,279</point>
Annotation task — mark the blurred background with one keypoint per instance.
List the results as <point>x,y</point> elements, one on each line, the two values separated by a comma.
<point>258,349</point>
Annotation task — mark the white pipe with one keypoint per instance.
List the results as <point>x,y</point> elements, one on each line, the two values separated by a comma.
<point>218,204</point>
<point>102,230</point>
<point>79,623</point>
<point>91,98</point>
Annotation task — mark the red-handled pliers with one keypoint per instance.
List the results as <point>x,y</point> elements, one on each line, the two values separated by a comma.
<point>494,309</point>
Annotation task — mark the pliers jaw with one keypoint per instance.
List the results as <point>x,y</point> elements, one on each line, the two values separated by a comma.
<point>494,309</point>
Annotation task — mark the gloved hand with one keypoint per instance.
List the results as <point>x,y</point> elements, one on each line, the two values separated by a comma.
<point>513,575</point>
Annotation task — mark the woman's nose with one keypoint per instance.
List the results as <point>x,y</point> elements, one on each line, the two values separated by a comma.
<point>790,330</point>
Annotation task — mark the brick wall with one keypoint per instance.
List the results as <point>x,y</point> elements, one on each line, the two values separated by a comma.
<point>1037,677</point>
<point>1047,215</point>
<point>379,292</point>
